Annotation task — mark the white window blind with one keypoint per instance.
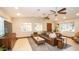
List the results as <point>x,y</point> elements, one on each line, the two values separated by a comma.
<point>26,27</point>
<point>66,27</point>
<point>1,26</point>
<point>38,27</point>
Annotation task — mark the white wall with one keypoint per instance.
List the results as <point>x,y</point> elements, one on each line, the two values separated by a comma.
<point>3,14</point>
<point>18,21</point>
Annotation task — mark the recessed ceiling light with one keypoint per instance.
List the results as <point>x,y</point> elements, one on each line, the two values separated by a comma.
<point>18,14</point>
<point>77,14</point>
<point>16,7</point>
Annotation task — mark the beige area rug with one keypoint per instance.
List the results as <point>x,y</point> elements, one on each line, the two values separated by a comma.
<point>46,46</point>
<point>22,45</point>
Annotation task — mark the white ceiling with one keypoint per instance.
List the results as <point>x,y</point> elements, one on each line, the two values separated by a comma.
<point>33,11</point>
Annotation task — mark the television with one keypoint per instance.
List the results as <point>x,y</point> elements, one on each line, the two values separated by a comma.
<point>2,33</point>
<point>7,27</point>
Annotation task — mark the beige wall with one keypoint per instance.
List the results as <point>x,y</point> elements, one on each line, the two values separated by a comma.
<point>3,14</point>
<point>18,21</point>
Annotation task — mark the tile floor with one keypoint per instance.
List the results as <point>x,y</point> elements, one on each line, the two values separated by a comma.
<point>24,45</point>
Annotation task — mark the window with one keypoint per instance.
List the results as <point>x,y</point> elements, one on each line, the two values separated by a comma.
<point>1,26</point>
<point>26,27</point>
<point>66,27</point>
<point>38,27</point>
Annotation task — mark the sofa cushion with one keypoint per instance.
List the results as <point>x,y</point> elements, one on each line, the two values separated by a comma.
<point>77,34</point>
<point>52,35</point>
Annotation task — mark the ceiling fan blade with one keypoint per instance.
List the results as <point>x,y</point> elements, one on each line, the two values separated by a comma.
<point>62,10</point>
<point>53,11</point>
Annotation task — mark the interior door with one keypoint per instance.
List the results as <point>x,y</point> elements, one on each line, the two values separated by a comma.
<point>49,27</point>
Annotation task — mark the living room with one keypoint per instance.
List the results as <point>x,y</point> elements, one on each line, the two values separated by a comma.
<point>35,21</point>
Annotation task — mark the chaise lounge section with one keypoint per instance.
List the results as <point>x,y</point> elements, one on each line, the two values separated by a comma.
<point>51,41</point>
<point>58,41</point>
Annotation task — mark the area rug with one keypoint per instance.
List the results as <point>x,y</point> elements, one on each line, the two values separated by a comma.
<point>44,47</point>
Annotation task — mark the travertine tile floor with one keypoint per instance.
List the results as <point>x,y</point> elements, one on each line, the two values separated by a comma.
<point>74,45</point>
<point>24,45</point>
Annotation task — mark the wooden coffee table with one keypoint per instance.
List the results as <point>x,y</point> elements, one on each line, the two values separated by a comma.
<point>39,40</point>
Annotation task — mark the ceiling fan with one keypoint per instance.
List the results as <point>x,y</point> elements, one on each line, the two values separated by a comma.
<point>61,11</point>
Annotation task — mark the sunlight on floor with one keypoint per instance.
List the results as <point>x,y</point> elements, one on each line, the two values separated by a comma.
<point>22,45</point>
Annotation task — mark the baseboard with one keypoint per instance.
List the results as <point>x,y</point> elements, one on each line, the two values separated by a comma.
<point>23,37</point>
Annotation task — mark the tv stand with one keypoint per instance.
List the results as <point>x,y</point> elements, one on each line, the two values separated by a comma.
<point>9,40</point>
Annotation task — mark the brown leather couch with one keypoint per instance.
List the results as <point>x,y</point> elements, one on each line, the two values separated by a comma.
<point>76,37</point>
<point>49,40</point>
<point>58,41</point>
